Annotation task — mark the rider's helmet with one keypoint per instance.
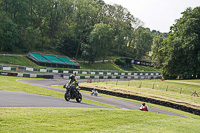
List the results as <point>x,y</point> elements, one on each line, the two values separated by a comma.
<point>143,104</point>
<point>72,76</point>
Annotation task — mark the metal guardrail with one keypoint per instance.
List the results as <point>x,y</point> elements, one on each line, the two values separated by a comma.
<point>78,71</point>
<point>27,75</point>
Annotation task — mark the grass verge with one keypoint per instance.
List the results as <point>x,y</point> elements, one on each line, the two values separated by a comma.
<point>99,66</point>
<point>154,89</point>
<point>17,60</point>
<point>91,120</point>
<point>149,104</point>
<point>10,84</point>
<point>84,120</point>
<point>152,105</point>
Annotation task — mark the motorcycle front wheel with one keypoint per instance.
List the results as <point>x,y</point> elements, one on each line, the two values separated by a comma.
<point>67,97</point>
<point>79,98</point>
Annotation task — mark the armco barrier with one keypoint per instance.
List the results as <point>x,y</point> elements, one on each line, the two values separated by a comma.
<point>149,100</point>
<point>27,75</point>
<point>115,77</point>
<point>35,76</point>
<point>8,74</point>
<point>91,72</point>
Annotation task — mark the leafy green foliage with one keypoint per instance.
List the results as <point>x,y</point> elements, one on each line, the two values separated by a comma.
<point>119,62</point>
<point>9,34</point>
<point>101,39</point>
<point>157,52</point>
<point>30,39</point>
<point>73,28</point>
<point>143,42</point>
<point>179,53</point>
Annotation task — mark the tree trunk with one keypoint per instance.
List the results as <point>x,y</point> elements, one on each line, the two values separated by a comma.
<point>77,50</point>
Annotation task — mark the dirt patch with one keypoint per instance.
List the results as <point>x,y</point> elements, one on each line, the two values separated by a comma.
<point>191,83</point>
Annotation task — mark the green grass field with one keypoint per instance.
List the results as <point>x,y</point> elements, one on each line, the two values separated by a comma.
<point>100,120</point>
<point>192,81</point>
<point>162,90</point>
<point>85,120</point>
<point>10,84</point>
<point>17,60</point>
<point>99,66</point>
<point>91,120</point>
<point>144,68</point>
<point>139,102</point>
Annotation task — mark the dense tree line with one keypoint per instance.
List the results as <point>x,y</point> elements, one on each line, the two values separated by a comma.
<point>89,29</point>
<point>179,53</point>
<point>92,29</point>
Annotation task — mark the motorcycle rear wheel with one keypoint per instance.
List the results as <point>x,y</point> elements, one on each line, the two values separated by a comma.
<point>67,97</point>
<point>79,98</point>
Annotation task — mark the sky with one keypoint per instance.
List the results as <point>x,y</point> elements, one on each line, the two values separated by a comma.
<point>157,15</point>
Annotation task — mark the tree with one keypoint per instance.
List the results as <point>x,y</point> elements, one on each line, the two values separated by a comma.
<point>143,42</point>
<point>9,35</point>
<point>68,44</point>
<point>66,25</point>
<point>101,37</point>
<point>85,12</point>
<point>157,50</point>
<point>89,52</point>
<point>182,45</point>
<point>30,40</point>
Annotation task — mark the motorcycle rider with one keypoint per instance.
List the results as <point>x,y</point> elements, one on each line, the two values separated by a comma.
<point>94,92</point>
<point>72,81</point>
<point>144,107</point>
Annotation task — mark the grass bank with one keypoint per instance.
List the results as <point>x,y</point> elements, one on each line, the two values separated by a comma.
<point>91,120</point>
<point>99,66</point>
<point>149,104</point>
<point>84,120</point>
<point>166,90</point>
<point>11,84</point>
<point>17,60</point>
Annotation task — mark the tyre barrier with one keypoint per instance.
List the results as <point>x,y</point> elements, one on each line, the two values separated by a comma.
<point>148,100</point>
<point>8,74</point>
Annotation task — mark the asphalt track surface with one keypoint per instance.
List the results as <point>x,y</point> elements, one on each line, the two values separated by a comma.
<point>19,99</point>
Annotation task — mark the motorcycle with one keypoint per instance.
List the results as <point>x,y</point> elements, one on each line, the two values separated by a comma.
<point>72,92</point>
<point>94,92</point>
<point>143,108</point>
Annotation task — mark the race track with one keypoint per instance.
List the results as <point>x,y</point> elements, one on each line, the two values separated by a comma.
<point>111,101</point>
<point>21,99</point>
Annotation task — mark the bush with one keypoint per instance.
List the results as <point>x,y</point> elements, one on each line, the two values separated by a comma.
<point>119,62</point>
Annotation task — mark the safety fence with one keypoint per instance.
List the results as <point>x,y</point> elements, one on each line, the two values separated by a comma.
<point>148,100</point>
<point>27,75</point>
<point>83,72</point>
<point>115,77</point>
<point>48,76</point>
